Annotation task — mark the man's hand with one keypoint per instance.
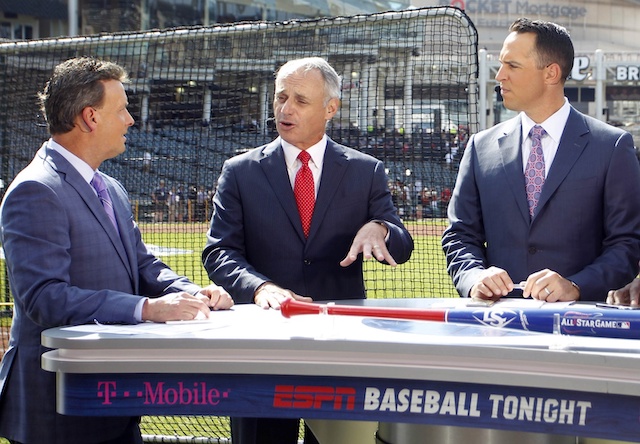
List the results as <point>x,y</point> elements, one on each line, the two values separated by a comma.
<point>549,286</point>
<point>269,295</point>
<point>175,307</point>
<point>494,283</point>
<point>627,295</point>
<point>369,241</point>
<point>217,297</point>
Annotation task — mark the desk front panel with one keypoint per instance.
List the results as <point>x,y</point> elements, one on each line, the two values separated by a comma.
<point>251,362</point>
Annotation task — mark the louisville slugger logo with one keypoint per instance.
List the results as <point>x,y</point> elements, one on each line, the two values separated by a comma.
<point>496,318</point>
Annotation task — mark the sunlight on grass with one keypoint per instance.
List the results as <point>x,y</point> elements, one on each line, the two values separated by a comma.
<point>180,246</point>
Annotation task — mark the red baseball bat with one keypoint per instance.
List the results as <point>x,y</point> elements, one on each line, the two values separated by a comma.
<point>580,319</point>
<point>291,307</point>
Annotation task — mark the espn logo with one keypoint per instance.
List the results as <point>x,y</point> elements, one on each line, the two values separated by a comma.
<point>313,397</point>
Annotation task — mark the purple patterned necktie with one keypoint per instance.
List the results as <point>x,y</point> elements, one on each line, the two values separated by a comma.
<point>98,184</point>
<point>534,172</point>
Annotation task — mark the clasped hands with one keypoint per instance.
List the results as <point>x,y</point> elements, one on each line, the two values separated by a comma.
<point>369,240</point>
<point>183,306</point>
<point>544,285</point>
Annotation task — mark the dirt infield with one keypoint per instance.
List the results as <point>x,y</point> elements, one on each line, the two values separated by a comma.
<point>425,229</point>
<point>184,227</point>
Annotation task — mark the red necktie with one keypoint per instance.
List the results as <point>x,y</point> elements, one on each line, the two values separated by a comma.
<point>534,172</point>
<point>305,192</point>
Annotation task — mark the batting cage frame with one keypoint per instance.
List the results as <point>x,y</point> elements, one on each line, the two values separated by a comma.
<point>201,95</point>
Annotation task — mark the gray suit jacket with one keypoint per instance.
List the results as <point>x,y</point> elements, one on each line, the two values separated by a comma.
<point>67,266</point>
<point>587,223</point>
<point>256,234</point>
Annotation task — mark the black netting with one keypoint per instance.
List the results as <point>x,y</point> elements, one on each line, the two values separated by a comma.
<point>203,94</point>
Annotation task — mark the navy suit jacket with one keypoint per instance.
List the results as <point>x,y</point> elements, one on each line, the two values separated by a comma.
<point>67,266</point>
<point>587,223</point>
<point>256,235</point>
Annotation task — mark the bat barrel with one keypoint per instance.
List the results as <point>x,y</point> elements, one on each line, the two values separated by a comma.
<point>292,307</point>
<point>578,320</point>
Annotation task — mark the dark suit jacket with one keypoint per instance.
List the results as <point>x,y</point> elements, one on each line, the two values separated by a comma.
<point>66,266</point>
<point>587,223</point>
<point>256,235</point>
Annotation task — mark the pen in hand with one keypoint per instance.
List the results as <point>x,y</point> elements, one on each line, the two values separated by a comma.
<point>519,285</point>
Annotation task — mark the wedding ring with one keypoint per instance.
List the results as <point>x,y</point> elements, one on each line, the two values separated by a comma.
<point>547,290</point>
<point>376,246</point>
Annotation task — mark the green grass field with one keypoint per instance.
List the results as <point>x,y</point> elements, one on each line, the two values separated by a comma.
<point>423,276</point>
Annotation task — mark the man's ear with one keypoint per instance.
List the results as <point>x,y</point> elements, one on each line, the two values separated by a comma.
<point>332,108</point>
<point>87,120</point>
<point>554,74</point>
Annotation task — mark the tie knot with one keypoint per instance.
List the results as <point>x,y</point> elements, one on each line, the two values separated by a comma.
<point>537,131</point>
<point>304,157</point>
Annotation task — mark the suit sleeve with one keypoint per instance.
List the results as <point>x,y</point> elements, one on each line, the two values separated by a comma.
<point>157,278</point>
<point>224,256</point>
<point>37,241</point>
<point>400,242</point>
<point>463,241</point>
<point>618,263</point>
<point>153,276</point>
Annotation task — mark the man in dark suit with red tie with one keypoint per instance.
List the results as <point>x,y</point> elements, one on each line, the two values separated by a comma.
<point>266,244</point>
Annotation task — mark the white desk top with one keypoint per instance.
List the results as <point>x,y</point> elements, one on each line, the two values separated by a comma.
<point>248,339</point>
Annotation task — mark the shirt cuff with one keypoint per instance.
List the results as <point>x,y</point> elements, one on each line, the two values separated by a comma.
<point>137,314</point>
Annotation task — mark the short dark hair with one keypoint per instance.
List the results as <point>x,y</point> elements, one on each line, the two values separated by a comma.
<point>553,43</point>
<point>75,84</point>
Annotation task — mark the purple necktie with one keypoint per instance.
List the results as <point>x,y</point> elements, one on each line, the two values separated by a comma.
<point>98,184</point>
<point>534,172</point>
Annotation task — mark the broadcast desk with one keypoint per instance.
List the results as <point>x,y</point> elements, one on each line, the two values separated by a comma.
<point>253,362</point>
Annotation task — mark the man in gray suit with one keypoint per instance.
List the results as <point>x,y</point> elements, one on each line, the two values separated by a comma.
<point>69,263</point>
<point>577,234</point>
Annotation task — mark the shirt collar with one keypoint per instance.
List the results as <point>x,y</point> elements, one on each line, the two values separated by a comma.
<point>315,151</point>
<point>80,165</point>
<point>553,126</point>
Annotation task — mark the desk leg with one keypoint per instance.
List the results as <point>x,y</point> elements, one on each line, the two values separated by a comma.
<point>338,431</point>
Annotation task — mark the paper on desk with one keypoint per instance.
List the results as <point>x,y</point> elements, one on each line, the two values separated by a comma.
<point>144,328</point>
<point>240,320</point>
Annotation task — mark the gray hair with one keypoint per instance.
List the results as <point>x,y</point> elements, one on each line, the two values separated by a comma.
<point>332,81</point>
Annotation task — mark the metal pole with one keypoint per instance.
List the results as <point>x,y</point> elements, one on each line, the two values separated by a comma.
<point>72,9</point>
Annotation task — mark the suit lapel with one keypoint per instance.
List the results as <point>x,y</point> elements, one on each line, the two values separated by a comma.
<point>510,149</point>
<point>334,168</point>
<point>275,169</point>
<point>121,239</point>
<point>75,180</point>
<point>571,146</point>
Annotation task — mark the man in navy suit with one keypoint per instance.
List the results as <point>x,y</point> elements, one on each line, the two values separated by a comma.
<point>579,237</point>
<point>257,248</point>
<point>69,264</point>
